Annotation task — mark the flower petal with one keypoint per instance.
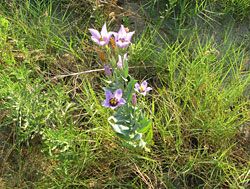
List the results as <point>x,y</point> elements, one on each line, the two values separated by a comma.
<point>105,103</point>
<point>137,86</point>
<point>118,94</point>
<point>104,31</point>
<point>148,89</point>
<point>108,95</point>
<point>113,107</point>
<point>121,101</point>
<point>122,44</point>
<point>102,43</point>
<point>95,33</point>
<point>116,35</point>
<point>129,35</point>
<point>95,40</point>
<point>144,85</point>
<point>122,32</point>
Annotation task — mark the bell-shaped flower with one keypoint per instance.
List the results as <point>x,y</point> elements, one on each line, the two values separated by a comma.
<point>101,38</point>
<point>123,38</point>
<point>121,61</point>
<point>142,88</point>
<point>113,100</point>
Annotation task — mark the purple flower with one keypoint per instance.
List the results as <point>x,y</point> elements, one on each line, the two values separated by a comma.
<point>100,38</point>
<point>123,38</point>
<point>113,100</point>
<point>107,70</point>
<point>121,61</point>
<point>142,88</point>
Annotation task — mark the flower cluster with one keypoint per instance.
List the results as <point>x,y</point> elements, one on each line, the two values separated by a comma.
<point>122,37</point>
<point>128,121</point>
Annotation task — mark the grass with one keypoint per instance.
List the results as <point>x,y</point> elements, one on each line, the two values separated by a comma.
<point>184,8</point>
<point>54,132</point>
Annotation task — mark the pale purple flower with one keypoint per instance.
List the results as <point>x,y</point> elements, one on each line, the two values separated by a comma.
<point>113,100</point>
<point>101,38</point>
<point>123,38</point>
<point>142,88</point>
<point>121,61</point>
<point>107,70</point>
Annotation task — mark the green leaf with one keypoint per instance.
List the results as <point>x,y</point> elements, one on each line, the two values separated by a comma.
<point>130,89</point>
<point>118,128</point>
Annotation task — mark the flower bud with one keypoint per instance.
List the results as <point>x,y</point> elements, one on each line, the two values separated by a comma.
<point>107,70</point>
<point>112,42</point>
<point>102,56</point>
<point>134,99</point>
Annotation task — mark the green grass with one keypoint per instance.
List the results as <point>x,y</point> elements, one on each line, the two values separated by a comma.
<point>54,132</point>
<point>184,8</point>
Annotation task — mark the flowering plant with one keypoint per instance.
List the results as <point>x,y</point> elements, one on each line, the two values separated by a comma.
<point>129,121</point>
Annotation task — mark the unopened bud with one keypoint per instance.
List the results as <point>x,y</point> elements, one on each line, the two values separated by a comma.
<point>134,99</point>
<point>102,56</point>
<point>107,70</point>
<point>112,42</point>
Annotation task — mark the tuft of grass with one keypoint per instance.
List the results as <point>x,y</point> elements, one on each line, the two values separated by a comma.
<point>239,8</point>
<point>182,9</point>
<point>200,101</point>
